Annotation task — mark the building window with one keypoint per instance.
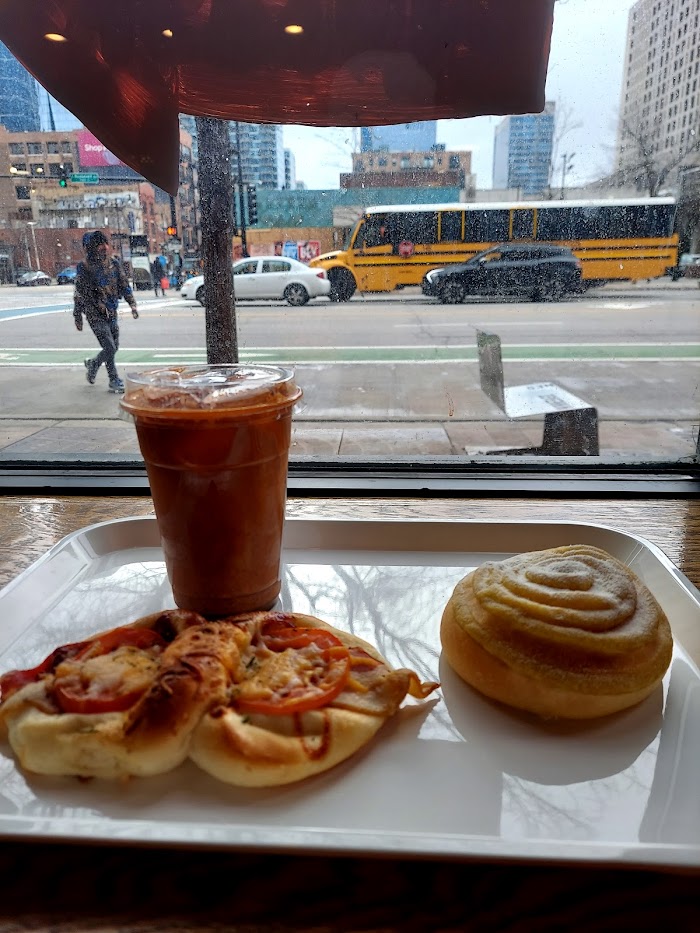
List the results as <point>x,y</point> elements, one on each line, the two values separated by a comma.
<point>19,166</point>
<point>35,149</point>
<point>66,146</point>
<point>24,192</point>
<point>16,148</point>
<point>36,169</point>
<point>52,148</point>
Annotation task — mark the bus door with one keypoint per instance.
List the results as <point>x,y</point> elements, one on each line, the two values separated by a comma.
<point>522,224</point>
<point>371,255</point>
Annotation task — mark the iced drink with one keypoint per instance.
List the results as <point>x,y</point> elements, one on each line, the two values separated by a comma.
<point>215,440</point>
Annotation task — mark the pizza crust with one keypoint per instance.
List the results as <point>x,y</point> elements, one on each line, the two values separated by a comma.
<point>249,752</point>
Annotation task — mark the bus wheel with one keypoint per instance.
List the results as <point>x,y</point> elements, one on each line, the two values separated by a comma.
<point>342,284</point>
<point>452,292</point>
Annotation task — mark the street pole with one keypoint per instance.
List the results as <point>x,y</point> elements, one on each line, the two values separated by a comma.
<point>118,209</point>
<point>173,223</point>
<point>215,203</point>
<point>244,234</point>
<point>32,224</point>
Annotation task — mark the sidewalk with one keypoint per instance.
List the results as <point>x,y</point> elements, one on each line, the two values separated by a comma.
<point>360,410</point>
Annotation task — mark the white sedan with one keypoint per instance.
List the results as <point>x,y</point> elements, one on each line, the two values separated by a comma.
<point>268,277</point>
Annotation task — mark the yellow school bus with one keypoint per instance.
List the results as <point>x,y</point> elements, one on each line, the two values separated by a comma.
<point>394,246</point>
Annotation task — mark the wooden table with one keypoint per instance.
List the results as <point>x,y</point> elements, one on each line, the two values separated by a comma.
<point>62,888</point>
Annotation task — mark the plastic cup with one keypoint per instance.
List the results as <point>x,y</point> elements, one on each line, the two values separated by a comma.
<point>215,440</point>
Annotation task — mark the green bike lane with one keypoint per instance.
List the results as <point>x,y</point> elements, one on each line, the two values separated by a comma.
<point>48,356</point>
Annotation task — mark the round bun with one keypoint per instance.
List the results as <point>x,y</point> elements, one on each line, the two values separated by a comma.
<point>568,632</point>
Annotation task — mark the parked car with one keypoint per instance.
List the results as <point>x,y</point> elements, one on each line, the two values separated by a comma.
<point>142,279</point>
<point>67,276</point>
<point>268,277</point>
<point>688,267</point>
<point>34,278</point>
<point>536,270</point>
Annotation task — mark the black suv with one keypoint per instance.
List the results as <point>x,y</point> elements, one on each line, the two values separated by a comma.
<point>537,270</point>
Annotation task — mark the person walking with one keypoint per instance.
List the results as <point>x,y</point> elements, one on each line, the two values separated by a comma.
<point>157,275</point>
<point>100,283</point>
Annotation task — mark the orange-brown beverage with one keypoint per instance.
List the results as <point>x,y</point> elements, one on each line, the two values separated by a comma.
<point>215,440</point>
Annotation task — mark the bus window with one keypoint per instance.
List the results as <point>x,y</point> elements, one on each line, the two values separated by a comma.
<point>523,224</point>
<point>486,226</point>
<point>372,233</point>
<point>414,226</point>
<point>451,226</point>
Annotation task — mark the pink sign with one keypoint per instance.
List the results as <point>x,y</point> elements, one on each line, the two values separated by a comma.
<point>92,153</point>
<point>308,249</point>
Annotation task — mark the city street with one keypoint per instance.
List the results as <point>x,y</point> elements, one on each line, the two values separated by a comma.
<point>379,362</point>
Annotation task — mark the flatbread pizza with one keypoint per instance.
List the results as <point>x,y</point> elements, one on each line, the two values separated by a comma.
<point>257,700</point>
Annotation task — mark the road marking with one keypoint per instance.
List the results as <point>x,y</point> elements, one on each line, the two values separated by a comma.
<point>13,315</point>
<point>620,352</point>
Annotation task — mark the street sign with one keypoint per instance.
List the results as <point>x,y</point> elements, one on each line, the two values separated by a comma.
<point>87,178</point>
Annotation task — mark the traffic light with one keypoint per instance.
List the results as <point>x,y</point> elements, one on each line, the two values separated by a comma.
<point>172,230</point>
<point>62,176</point>
<point>252,205</point>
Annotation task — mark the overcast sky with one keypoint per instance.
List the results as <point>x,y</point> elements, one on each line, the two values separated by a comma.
<point>584,76</point>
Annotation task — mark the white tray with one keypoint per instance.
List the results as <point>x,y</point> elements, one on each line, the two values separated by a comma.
<point>458,777</point>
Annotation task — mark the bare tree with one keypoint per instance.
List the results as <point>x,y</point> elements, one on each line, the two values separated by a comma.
<point>564,123</point>
<point>643,163</point>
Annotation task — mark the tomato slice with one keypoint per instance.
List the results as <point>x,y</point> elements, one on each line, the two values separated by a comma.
<point>118,637</point>
<point>72,697</point>
<point>13,681</point>
<point>278,636</point>
<point>295,679</point>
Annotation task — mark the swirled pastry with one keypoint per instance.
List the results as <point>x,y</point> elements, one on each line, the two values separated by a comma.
<point>567,632</point>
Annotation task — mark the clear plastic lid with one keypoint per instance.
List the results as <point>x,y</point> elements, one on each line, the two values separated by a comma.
<point>209,388</point>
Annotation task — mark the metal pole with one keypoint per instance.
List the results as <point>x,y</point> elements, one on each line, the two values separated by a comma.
<point>36,251</point>
<point>118,209</point>
<point>243,199</point>
<point>564,157</point>
<point>215,201</point>
<point>173,223</point>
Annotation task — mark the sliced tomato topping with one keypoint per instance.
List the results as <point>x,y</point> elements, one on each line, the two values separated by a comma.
<point>74,697</point>
<point>118,637</point>
<point>13,681</point>
<point>278,635</point>
<point>308,669</point>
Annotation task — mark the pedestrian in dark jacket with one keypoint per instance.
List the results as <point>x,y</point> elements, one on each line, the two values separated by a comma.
<point>99,284</point>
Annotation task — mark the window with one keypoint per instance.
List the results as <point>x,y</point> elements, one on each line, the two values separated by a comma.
<point>451,226</point>
<point>19,166</point>
<point>245,268</point>
<point>636,365</point>
<point>275,265</point>
<point>486,225</point>
<point>37,169</point>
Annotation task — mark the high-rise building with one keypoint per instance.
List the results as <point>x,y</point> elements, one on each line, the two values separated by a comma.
<point>290,170</point>
<point>262,154</point>
<point>660,101</point>
<point>19,101</point>
<point>53,116</point>
<point>188,123</point>
<point>403,137</point>
<point>522,152</point>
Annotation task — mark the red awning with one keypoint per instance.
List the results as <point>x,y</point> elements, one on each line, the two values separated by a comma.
<point>126,68</point>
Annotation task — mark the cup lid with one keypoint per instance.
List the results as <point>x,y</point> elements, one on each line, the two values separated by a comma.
<point>209,387</point>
